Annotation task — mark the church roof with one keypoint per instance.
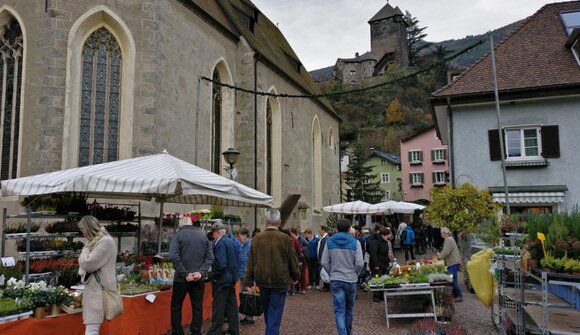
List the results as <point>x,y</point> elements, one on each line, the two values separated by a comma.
<point>243,19</point>
<point>386,12</point>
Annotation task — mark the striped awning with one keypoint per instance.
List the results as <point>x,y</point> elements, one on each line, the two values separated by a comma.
<point>161,177</point>
<point>531,197</point>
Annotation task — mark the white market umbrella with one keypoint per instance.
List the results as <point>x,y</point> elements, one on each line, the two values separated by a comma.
<point>401,207</point>
<point>353,207</point>
<point>161,177</point>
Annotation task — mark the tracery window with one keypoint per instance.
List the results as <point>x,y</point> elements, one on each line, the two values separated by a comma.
<point>11,50</point>
<point>216,123</point>
<point>100,99</point>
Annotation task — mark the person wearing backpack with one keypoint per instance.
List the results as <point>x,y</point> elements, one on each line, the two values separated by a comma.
<point>408,240</point>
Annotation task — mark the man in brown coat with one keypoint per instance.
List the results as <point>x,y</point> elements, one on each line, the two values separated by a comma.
<point>272,265</point>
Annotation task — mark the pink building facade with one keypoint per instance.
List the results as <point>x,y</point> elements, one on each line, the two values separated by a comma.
<point>424,165</point>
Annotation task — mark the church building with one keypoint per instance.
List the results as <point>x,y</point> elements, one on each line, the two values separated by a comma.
<point>92,81</point>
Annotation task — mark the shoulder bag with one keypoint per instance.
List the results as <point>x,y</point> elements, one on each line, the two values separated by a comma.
<point>250,304</point>
<point>112,300</point>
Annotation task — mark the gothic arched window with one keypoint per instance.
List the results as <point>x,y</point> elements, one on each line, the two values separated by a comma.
<point>10,83</point>
<point>100,99</point>
<point>268,147</point>
<point>217,98</point>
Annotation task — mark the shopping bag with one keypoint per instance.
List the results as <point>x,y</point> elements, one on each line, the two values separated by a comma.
<point>250,304</point>
<point>112,300</point>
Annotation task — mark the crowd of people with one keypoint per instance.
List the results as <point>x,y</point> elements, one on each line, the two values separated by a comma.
<point>278,263</point>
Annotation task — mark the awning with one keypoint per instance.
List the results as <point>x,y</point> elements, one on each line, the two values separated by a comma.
<point>531,197</point>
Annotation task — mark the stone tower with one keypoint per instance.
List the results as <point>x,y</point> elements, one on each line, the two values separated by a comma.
<point>389,38</point>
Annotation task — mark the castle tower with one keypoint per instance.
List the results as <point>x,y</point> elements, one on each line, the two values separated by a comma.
<point>389,38</point>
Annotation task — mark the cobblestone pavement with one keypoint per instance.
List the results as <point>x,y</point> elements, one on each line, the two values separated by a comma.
<point>312,313</point>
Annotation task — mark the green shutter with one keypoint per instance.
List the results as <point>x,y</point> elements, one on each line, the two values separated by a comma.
<point>433,177</point>
<point>433,155</point>
<point>422,178</point>
<point>445,154</point>
<point>410,156</point>
<point>421,155</point>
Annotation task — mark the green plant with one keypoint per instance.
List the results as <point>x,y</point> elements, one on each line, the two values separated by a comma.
<point>11,306</point>
<point>57,296</point>
<point>461,209</point>
<point>572,265</point>
<point>331,221</point>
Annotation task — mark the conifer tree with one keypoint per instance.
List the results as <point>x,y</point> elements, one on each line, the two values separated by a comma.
<point>360,179</point>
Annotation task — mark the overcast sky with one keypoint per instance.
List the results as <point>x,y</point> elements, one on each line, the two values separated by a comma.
<point>320,31</point>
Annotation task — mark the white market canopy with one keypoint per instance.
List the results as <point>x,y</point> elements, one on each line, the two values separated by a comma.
<point>401,207</point>
<point>161,177</point>
<point>353,207</point>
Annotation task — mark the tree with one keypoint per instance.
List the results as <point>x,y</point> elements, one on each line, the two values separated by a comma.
<point>415,38</point>
<point>460,209</point>
<point>359,178</point>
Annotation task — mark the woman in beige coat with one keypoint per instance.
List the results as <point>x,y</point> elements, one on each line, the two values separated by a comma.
<point>99,255</point>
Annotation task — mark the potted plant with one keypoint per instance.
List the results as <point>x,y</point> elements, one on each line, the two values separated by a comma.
<point>56,297</point>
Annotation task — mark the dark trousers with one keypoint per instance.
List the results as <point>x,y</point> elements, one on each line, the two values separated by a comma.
<point>313,272</point>
<point>273,300</point>
<point>195,291</point>
<point>224,304</point>
<point>408,248</point>
<point>454,269</point>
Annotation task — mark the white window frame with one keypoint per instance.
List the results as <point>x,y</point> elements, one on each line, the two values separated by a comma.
<point>385,178</point>
<point>416,179</point>
<point>439,152</point>
<point>415,156</point>
<point>383,161</point>
<point>387,195</point>
<point>440,178</point>
<point>521,143</point>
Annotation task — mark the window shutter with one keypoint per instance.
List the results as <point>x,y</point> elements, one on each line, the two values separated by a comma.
<point>494,149</point>
<point>410,179</point>
<point>422,178</point>
<point>433,155</point>
<point>433,177</point>
<point>550,142</point>
<point>410,156</point>
<point>421,156</point>
<point>445,154</point>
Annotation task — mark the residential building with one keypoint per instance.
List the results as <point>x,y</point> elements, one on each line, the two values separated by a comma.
<point>423,165</point>
<point>87,81</point>
<point>538,80</point>
<point>386,166</point>
<point>388,46</point>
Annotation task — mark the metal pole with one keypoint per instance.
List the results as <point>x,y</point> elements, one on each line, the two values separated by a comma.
<point>4,219</point>
<point>197,118</point>
<point>27,267</point>
<point>499,128</point>
<point>159,239</point>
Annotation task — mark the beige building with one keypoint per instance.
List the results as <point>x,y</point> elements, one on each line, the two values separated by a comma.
<point>85,82</point>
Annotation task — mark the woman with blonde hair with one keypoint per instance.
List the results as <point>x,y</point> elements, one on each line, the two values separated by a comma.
<point>97,260</point>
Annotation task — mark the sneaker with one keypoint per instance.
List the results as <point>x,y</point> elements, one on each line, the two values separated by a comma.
<point>309,287</point>
<point>246,321</point>
<point>459,299</point>
<point>302,291</point>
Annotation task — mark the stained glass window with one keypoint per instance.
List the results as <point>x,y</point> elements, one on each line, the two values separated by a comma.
<point>10,83</point>
<point>100,99</point>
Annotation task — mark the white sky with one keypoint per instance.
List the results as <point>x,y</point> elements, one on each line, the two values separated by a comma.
<point>320,31</point>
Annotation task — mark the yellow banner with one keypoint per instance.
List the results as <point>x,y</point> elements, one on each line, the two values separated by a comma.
<point>541,237</point>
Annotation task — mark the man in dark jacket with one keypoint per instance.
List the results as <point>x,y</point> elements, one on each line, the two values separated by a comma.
<point>224,275</point>
<point>272,265</point>
<point>192,255</point>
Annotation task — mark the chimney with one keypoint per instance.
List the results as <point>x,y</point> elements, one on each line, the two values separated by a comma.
<point>356,54</point>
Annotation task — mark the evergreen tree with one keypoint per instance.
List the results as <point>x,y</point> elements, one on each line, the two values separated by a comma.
<point>415,38</point>
<point>360,179</point>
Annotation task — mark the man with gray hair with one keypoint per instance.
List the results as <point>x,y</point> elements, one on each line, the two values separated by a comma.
<point>191,254</point>
<point>272,265</point>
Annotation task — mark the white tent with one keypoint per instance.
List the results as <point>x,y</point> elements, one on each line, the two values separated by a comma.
<point>160,177</point>
<point>354,207</point>
<point>401,207</point>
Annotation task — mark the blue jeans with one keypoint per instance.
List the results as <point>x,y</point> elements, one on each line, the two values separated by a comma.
<point>456,290</point>
<point>273,300</point>
<point>343,296</point>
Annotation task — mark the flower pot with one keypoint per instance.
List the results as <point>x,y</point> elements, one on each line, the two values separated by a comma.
<point>54,310</point>
<point>39,313</point>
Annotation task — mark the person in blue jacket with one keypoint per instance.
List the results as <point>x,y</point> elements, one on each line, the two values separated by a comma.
<point>312,256</point>
<point>408,240</point>
<point>224,269</point>
<point>243,244</point>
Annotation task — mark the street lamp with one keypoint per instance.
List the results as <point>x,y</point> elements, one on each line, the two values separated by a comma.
<point>231,156</point>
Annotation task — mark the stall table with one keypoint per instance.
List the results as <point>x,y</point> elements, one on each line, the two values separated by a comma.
<point>139,318</point>
<point>409,290</point>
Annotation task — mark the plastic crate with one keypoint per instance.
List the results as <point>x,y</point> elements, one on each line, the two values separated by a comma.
<point>566,292</point>
<point>507,302</point>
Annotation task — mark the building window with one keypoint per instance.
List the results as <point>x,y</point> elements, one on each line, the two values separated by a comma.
<point>416,179</point>
<point>383,162</point>
<point>352,73</point>
<point>439,178</point>
<point>11,50</point>
<point>216,156</point>
<point>415,157</point>
<point>523,143</point>
<point>385,178</point>
<point>100,99</point>
<point>438,155</point>
<point>387,195</point>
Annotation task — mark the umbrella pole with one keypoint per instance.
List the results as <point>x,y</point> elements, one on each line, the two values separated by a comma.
<point>159,237</point>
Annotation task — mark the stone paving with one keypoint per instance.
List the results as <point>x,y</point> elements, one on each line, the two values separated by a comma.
<point>312,313</point>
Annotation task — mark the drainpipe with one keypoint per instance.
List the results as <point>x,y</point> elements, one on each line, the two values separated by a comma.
<point>256,59</point>
<point>451,146</point>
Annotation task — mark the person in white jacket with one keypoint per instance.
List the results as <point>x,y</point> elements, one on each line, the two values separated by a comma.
<point>98,257</point>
